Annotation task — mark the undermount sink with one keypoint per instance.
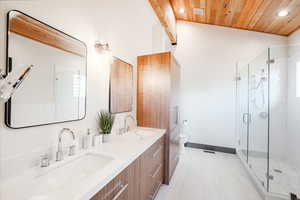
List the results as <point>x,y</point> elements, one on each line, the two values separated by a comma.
<point>73,171</point>
<point>143,133</point>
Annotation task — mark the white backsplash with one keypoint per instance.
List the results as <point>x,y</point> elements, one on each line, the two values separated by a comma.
<point>18,165</point>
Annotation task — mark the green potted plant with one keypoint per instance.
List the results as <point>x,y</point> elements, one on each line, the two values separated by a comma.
<point>106,121</point>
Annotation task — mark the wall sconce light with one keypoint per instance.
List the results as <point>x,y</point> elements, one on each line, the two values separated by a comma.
<point>102,47</point>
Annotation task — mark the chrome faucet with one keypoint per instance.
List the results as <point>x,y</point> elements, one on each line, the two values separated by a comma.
<point>59,153</point>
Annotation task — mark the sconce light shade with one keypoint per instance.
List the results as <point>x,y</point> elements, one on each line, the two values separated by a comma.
<point>103,47</point>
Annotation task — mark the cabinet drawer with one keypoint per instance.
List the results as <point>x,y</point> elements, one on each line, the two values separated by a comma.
<point>153,166</point>
<point>156,174</point>
<point>154,155</point>
<point>174,149</point>
<point>117,189</point>
<point>174,142</point>
<point>156,182</point>
<point>156,158</point>
<point>152,151</point>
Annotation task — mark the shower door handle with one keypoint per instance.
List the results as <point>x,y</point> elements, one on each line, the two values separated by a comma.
<point>245,118</point>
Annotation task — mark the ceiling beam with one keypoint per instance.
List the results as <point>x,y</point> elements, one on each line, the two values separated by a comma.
<point>166,16</point>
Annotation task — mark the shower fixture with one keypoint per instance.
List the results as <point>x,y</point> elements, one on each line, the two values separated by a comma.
<point>263,115</point>
<point>262,79</point>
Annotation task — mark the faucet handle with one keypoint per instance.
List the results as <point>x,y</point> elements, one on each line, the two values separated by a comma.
<point>45,161</point>
<point>72,150</point>
<point>59,156</point>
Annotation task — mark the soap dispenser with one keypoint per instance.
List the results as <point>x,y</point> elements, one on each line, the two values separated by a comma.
<point>86,142</point>
<point>89,138</point>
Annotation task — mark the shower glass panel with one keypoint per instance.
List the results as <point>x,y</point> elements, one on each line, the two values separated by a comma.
<point>242,114</point>
<point>258,120</point>
<point>268,119</point>
<point>284,121</point>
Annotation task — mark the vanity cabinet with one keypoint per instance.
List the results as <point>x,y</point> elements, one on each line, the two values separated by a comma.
<point>117,189</point>
<point>152,166</point>
<point>141,180</point>
<point>134,180</point>
<point>158,92</point>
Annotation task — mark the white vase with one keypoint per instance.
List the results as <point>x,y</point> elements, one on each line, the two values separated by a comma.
<point>106,137</point>
<point>97,140</point>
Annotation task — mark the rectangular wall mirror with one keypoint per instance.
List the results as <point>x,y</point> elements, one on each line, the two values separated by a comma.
<point>121,87</point>
<point>55,90</point>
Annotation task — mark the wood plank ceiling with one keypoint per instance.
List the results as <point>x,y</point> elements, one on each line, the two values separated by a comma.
<point>254,15</point>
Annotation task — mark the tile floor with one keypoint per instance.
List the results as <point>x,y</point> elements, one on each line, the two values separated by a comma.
<point>204,176</point>
<point>284,182</point>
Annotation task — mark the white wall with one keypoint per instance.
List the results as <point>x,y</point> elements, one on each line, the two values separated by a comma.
<point>208,56</point>
<point>293,135</point>
<point>130,27</point>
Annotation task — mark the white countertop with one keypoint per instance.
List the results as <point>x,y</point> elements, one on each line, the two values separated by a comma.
<point>123,149</point>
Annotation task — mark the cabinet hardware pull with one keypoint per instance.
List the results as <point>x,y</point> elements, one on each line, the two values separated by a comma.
<point>119,184</point>
<point>156,171</point>
<point>120,192</point>
<point>176,157</point>
<point>177,115</point>
<point>156,152</point>
<point>156,191</point>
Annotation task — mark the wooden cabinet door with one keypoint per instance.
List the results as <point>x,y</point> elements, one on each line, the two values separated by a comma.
<point>153,90</point>
<point>158,100</point>
<point>146,182</point>
<point>152,166</point>
<point>174,150</point>
<point>175,120</point>
<point>175,94</point>
<point>134,180</point>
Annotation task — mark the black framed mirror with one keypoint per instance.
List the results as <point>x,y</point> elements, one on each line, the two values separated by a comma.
<point>121,86</point>
<point>55,90</point>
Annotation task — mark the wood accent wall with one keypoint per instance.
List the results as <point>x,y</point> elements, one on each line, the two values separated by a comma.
<point>254,15</point>
<point>121,87</point>
<point>166,16</point>
<point>28,27</point>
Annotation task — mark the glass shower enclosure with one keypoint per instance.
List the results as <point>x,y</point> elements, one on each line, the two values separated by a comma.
<point>268,124</point>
